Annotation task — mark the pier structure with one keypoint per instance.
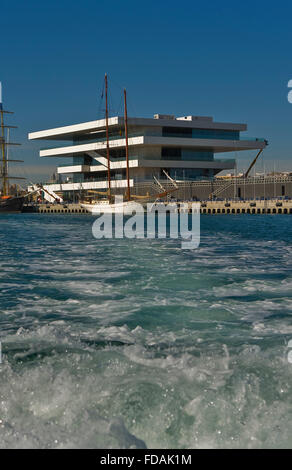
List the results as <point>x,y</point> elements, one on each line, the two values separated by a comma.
<point>55,208</point>
<point>246,207</point>
<point>275,206</point>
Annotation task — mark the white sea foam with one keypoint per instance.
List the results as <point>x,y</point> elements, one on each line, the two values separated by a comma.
<point>127,344</point>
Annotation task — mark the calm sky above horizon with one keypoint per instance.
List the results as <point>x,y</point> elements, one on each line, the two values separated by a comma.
<point>223,59</point>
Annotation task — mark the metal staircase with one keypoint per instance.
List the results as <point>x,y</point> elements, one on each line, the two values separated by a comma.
<point>220,189</point>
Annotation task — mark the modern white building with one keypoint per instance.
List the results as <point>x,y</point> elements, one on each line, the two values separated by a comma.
<point>185,147</point>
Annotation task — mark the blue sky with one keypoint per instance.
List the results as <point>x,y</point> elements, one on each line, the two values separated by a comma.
<point>226,59</point>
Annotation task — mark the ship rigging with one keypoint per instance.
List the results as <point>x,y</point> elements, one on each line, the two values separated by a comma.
<point>8,202</point>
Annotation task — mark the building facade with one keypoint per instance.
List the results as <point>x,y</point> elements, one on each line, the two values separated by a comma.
<point>185,148</point>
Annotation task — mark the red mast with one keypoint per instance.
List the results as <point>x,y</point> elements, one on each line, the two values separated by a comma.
<point>127,145</point>
<point>107,141</point>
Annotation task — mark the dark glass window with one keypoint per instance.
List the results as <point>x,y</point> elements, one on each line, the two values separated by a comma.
<point>200,133</point>
<point>82,160</point>
<point>171,153</point>
<point>176,132</point>
<point>118,153</point>
<point>215,134</point>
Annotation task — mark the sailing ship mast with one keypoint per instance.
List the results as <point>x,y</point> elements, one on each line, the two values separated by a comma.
<point>164,193</point>
<point>4,168</point>
<point>130,198</point>
<point>4,144</point>
<point>127,145</point>
<point>107,140</point>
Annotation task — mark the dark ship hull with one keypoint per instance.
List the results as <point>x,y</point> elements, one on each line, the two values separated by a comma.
<point>11,204</point>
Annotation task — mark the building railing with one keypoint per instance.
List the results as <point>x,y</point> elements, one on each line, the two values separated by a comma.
<point>148,181</point>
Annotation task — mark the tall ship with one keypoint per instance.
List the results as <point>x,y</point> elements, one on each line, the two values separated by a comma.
<point>8,202</point>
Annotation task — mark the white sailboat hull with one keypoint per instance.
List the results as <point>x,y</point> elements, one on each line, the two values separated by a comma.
<point>126,207</point>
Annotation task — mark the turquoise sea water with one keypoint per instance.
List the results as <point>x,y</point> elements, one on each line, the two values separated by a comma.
<point>135,343</point>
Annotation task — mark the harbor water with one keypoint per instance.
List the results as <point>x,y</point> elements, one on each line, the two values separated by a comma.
<point>139,343</point>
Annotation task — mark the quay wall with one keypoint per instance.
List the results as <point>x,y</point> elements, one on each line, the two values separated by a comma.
<point>275,206</point>
<point>246,207</point>
<point>55,209</point>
